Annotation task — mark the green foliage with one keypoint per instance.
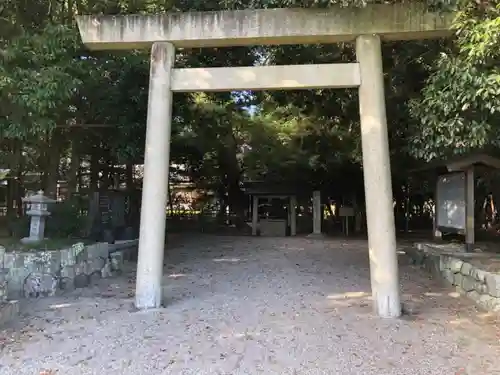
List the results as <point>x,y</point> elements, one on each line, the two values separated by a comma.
<point>48,79</point>
<point>65,221</point>
<point>39,79</point>
<point>460,108</point>
<point>19,226</point>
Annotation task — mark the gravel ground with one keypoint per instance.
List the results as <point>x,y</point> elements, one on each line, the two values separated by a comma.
<point>241,305</point>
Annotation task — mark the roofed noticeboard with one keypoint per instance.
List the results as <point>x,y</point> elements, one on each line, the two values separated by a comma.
<point>451,202</point>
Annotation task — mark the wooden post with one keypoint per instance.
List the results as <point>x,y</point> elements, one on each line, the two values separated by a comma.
<point>293,215</point>
<point>470,208</point>
<point>255,214</point>
<point>316,212</point>
<point>436,232</point>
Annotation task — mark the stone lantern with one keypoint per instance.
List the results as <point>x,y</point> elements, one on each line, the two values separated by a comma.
<point>37,210</point>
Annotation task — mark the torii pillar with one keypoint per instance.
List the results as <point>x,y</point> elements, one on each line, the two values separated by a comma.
<point>148,292</point>
<point>377,179</point>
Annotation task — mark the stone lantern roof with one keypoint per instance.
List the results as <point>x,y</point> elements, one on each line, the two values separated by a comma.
<point>38,198</point>
<point>38,204</point>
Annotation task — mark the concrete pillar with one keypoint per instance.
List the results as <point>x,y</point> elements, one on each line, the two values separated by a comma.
<point>293,215</point>
<point>377,179</point>
<point>470,205</point>
<point>316,212</point>
<point>255,214</point>
<point>148,292</point>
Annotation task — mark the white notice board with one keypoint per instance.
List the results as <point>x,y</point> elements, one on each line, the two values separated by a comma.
<point>450,201</point>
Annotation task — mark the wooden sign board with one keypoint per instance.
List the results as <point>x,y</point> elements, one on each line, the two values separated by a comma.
<point>346,211</point>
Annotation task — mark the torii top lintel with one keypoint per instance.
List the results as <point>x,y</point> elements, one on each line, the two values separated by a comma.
<point>404,21</point>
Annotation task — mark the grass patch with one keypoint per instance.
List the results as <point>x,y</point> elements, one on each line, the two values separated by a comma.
<point>14,244</point>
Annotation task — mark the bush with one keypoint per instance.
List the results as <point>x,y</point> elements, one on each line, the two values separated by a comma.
<point>65,220</point>
<point>19,227</point>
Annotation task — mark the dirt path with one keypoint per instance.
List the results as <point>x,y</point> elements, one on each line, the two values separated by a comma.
<point>254,306</point>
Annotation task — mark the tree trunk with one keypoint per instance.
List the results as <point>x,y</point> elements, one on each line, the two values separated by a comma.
<point>231,172</point>
<point>19,191</point>
<point>108,173</point>
<point>16,168</point>
<point>94,170</point>
<point>9,196</point>
<point>53,163</point>
<point>129,176</point>
<point>170,198</point>
<point>74,168</point>
<point>221,193</point>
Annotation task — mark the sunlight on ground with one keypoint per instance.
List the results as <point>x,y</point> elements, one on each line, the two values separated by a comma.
<point>460,321</point>
<point>176,275</point>
<point>349,295</point>
<point>487,315</point>
<point>291,248</point>
<point>438,294</point>
<point>60,306</point>
<point>227,260</point>
<point>433,294</point>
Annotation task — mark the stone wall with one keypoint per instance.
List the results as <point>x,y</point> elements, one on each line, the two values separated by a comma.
<point>458,269</point>
<point>43,273</point>
<point>481,286</point>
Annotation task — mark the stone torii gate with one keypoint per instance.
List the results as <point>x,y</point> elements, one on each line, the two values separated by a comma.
<point>366,27</point>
